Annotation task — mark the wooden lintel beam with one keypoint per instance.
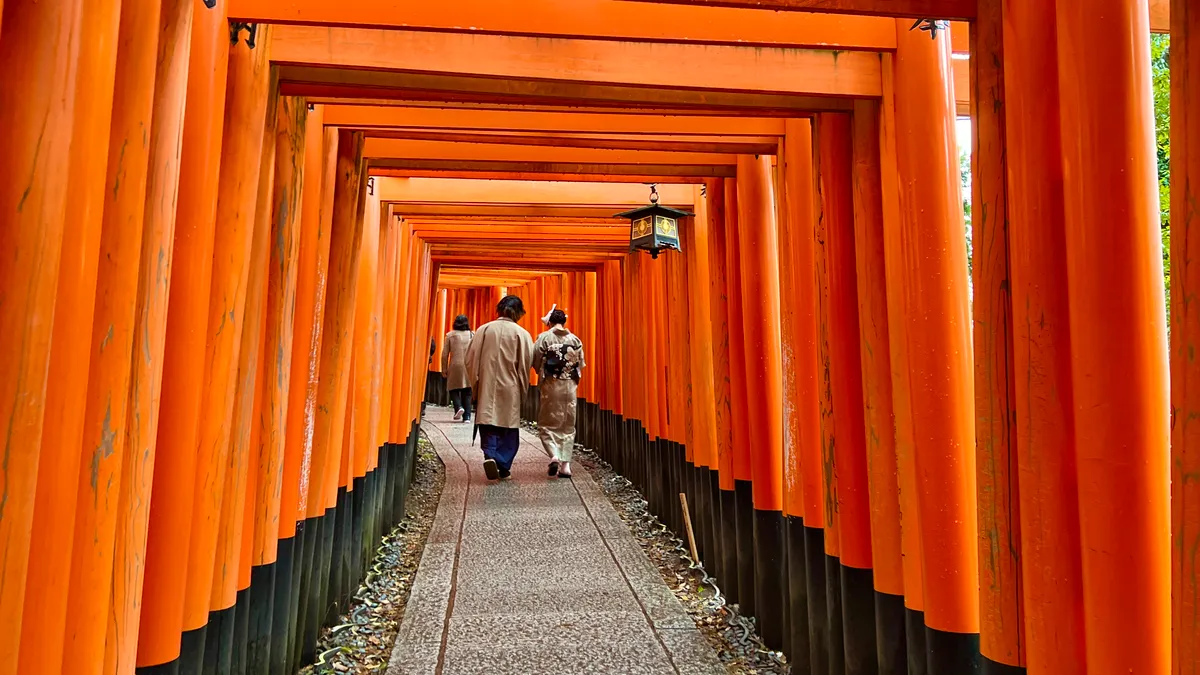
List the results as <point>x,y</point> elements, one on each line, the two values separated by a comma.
<point>958,10</point>
<point>518,175</point>
<point>630,108</point>
<point>466,120</point>
<point>757,146</point>
<point>523,193</point>
<point>706,67</point>
<point>587,19</point>
<point>320,83</point>
<point>490,210</point>
<point>531,169</point>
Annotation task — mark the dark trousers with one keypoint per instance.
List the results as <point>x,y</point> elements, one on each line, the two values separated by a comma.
<point>500,444</point>
<point>460,399</point>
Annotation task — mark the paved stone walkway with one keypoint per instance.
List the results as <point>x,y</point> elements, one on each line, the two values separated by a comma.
<point>536,575</point>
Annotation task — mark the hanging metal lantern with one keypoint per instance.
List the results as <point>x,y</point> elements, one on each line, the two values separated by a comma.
<point>654,228</point>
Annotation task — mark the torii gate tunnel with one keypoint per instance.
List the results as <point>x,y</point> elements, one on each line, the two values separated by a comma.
<point>230,229</point>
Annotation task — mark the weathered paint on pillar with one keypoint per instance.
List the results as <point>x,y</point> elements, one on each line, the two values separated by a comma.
<point>345,242</point>
<point>39,49</point>
<point>280,324</point>
<point>1001,630</point>
<point>826,458</point>
<point>141,425</point>
<point>98,495</point>
<point>60,460</point>
<point>893,257</point>
<point>846,381</point>
<point>365,364</point>
<point>187,316</point>
<point>802,468</point>
<point>1185,322</point>
<point>1118,332</point>
<point>1050,557</point>
<point>758,243</point>
<point>248,381</point>
<point>320,152</point>
<point>249,98</point>
<point>704,412</point>
<point>718,233</point>
<point>937,325</point>
<point>737,348</point>
<point>886,558</point>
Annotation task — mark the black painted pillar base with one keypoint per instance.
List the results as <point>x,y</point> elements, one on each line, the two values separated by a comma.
<point>818,601</point>
<point>260,615</point>
<point>716,527</point>
<point>770,577</point>
<point>952,653</point>
<point>858,621</point>
<point>891,643</point>
<point>191,651</point>
<point>833,608</point>
<point>796,646</point>
<point>283,610</point>
<point>914,634</point>
<point>701,512</point>
<point>744,495</point>
<point>171,668</point>
<point>729,548</point>
<point>991,667</point>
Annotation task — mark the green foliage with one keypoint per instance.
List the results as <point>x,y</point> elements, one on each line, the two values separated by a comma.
<point>964,171</point>
<point>1160,50</point>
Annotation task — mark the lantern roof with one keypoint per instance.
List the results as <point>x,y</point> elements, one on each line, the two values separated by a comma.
<point>653,209</point>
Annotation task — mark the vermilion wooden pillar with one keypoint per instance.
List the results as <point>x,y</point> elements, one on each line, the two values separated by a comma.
<point>702,402</point>
<point>1185,322</point>
<point>411,348</point>
<point>399,428</point>
<point>803,501</point>
<point>246,108</point>
<point>938,331</point>
<point>897,308</point>
<point>738,382</point>
<point>849,480</point>
<point>1001,630</point>
<point>1050,557</point>
<point>312,266</point>
<point>336,345</point>
<point>279,374</point>
<point>141,425</point>
<point>60,461</point>
<point>718,243</point>
<point>248,383</point>
<point>39,49</point>
<point>1118,332</point>
<point>187,315</point>
<point>886,553</point>
<point>758,241</point>
<point>824,572</point>
<point>104,437</point>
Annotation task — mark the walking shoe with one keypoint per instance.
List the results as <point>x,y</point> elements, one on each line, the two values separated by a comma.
<point>458,415</point>
<point>505,473</point>
<point>564,470</point>
<point>553,470</point>
<point>490,469</point>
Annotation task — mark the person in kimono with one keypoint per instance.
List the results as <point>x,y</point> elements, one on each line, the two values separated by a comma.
<point>558,359</point>
<point>454,367</point>
<point>498,363</point>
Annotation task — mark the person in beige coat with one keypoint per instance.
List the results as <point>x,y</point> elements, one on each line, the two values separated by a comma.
<point>454,367</point>
<point>558,359</point>
<point>498,363</point>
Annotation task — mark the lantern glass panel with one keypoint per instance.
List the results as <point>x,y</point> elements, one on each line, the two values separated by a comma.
<point>665,226</point>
